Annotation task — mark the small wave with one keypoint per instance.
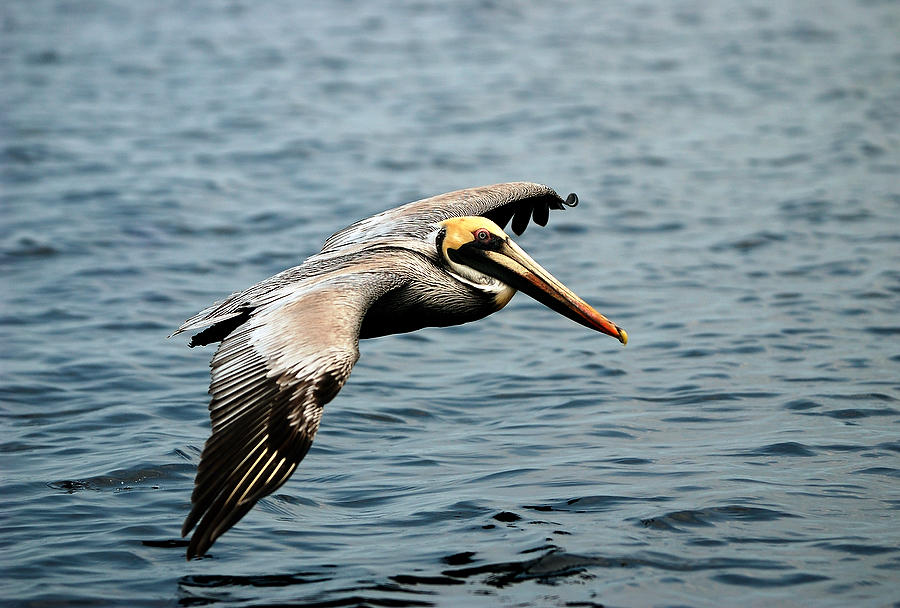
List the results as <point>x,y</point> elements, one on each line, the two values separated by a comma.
<point>692,396</point>
<point>28,247</point>
<point>262,580</point>
<point>787,580</point>
<point>125,479</point>
<point>787,448</point>
<point>851,413</point>
<point>886,471</point>
<point>750,242</point>
<point>584,504</point>
<point>709,517</point>
<point>858,548</point>
<point>556,563</point>
<point>801,404</point>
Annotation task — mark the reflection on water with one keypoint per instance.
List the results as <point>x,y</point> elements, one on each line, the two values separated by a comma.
<point>737,169</point>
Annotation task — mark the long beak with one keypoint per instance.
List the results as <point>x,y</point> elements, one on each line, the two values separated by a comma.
<point>514,267</point>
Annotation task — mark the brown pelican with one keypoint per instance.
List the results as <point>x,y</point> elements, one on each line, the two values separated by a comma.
<point>288,343</point>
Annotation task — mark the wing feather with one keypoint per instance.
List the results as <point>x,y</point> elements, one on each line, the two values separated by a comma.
<point>271,378</point>
<point>499,203</point>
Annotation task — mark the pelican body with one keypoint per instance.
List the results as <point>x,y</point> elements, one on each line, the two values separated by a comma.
<point>289,342</point>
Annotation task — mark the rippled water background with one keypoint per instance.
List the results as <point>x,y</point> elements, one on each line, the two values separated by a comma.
<point>738,165</point>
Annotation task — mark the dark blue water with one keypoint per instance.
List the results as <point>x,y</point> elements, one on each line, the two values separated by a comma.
<point>738,165</point>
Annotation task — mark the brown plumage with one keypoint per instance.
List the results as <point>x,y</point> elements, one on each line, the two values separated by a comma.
<point>289,342</point>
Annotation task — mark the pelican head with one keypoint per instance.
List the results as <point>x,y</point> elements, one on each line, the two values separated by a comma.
<point>477,250</point>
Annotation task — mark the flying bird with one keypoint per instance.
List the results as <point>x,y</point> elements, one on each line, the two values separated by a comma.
<point>289,342</point>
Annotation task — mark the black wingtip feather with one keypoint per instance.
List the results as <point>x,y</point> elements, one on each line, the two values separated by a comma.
<point>520,219</point>
<point>219,331</point>
<point>541,213</point>
<point>523,210</point>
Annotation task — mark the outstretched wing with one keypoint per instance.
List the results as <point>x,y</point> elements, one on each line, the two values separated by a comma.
<point>516,201</point>
<point>271,378</point>
<point>519,201</point>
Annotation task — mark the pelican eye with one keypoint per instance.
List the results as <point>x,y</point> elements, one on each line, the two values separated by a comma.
<point>482,236</point>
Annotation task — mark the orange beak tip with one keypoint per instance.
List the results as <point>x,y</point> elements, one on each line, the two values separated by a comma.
<point>623,337</point>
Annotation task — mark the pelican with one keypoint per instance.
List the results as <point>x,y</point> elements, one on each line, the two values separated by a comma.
<point>288,343</point>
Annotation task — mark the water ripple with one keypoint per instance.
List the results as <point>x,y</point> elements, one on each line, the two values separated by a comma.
<point>737,167</point>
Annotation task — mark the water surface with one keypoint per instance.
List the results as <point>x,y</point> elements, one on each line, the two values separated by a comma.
<point>738,169</point>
